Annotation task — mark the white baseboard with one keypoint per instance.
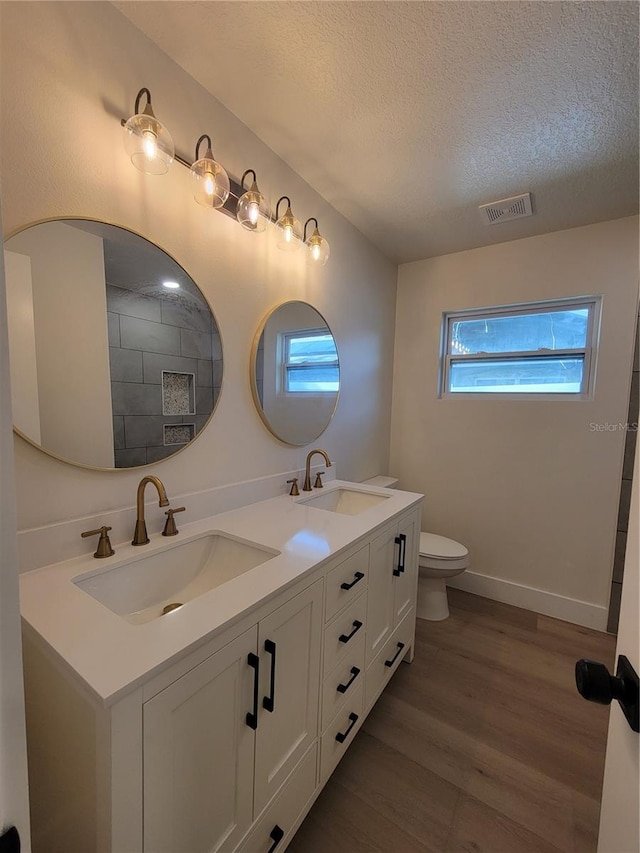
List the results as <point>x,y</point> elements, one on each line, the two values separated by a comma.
<point>548,603</point>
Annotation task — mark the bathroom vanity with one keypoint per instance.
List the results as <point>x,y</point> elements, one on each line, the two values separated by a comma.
<point>215,726</point>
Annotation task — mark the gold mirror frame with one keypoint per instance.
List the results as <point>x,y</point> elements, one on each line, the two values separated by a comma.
<point>314,433</point>
<point>61,458</point>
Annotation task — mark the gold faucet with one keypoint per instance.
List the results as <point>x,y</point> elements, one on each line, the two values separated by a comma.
<point>307,475</point>
<point>140,534</point>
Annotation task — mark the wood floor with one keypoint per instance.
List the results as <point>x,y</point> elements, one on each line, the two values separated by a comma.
<point>481,745</point>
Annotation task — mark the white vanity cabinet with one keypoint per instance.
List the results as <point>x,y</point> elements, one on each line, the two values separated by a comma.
<point>223,747</point>
<point>220,741</point>
<point>393,578</point>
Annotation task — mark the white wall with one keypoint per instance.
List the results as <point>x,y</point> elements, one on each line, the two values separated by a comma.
<point>529,486</point>
<point>72,350</point>
<point>70,71</point>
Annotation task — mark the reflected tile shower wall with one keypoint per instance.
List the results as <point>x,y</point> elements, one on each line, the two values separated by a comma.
<point>151,335</point>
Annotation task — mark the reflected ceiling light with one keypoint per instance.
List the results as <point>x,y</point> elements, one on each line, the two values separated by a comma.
<point>253,209</point>
<point>318,247</point>
<point>147,141</point>
<point>289,230</point>
<point>212,182</point>
<point>172,285</point>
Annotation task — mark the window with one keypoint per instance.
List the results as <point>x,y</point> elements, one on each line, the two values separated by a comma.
<point>545,348</point>
<point>310,362</point>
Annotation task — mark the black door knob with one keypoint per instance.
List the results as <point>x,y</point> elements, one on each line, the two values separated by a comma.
<point>595,683</point>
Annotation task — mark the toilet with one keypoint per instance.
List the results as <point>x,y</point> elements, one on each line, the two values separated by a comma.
<point>440,559</point>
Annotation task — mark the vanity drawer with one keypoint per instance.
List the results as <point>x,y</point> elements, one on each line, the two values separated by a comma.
<point>340,733</point>
<point>280,818</point>
<point>343,633</point>
<point>386,663</point>
<point>348,676</point>
<point>346,582</point>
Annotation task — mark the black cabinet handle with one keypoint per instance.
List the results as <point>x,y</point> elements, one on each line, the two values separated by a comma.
<point>342,688</point>
<point>252,716</point>
<point>268,702</point>
<point>10,841</point>
<point>276,835</point>
<point>357,577</point>
<point>344,638</point>
<point>342,736</point>
<point>395,657</point>
<point>401,542</point>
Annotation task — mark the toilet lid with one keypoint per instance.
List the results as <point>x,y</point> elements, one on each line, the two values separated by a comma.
<point>432,545</point>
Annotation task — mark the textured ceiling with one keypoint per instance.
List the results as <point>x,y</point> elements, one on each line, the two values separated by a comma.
<point>406,116</point>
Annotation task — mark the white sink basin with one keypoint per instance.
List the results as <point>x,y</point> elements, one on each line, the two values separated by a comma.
<point>141,588</point>
<point>346,501</point>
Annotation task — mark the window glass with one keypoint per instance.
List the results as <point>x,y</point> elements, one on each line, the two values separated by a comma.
<point>311,363</point>
<point>521,333</point>
<point>523,375</point>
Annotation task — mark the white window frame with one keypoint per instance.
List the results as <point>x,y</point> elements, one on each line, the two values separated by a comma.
<point>301,333</point>
<point>588,352</point>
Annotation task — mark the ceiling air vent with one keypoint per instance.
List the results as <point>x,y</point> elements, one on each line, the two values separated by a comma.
<point>515,207</point>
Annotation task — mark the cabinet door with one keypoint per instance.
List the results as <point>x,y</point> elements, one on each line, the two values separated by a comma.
<point>380,601</point>
<point>405,584</point>
<point>289,648</point>
<point>199,756</point>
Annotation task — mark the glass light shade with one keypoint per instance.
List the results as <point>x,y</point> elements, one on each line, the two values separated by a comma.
<point>148,143</point>
<point>212,182</point>
<point>289,232</point>
<point>253,210</point>
<point>318,249</point>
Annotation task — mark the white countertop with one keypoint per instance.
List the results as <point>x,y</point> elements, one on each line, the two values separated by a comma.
<point>112,656</point>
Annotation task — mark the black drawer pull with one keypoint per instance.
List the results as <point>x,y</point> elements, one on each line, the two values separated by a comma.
<point>276,835</point>
<point>401,542</point>
<point>395,657</point>
<point>342,736</point>
<point>252,716</point>
<point>269,702</point>
<point>344,638</point>
<point>357,577</point>
<point>342,688</point>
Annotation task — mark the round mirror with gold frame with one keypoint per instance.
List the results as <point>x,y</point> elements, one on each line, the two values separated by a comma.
<point>116,357</point>
<point>295,373</point>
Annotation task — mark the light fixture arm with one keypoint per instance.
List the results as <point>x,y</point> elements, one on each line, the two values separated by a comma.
<point>209,152</point>
<point>148,106</point>
<point>282,198</point>
<point>310,219</point>
<point>244,175</point>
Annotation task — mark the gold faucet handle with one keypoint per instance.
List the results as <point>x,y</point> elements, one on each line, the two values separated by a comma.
<point>104,545</point>
<point>170,528</point>
<point>294,488</point>
<point>318,482</point>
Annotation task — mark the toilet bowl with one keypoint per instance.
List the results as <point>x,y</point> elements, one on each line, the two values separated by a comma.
<point>440,559</point>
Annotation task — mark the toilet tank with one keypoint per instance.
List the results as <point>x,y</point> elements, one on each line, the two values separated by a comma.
<point>382,481</point>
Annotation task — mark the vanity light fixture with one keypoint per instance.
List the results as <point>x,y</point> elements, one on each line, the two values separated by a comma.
<point>151,149</point>
<point>147,141</point>
<point>318,247</point>
<point>289,230</point>
<point>212,182</point>
<point>253,209</point>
